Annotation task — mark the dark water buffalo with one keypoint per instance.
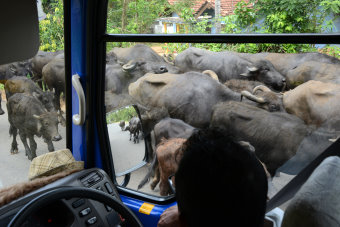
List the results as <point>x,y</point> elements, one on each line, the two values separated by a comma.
<point>228,65</point>
<point>122,125</point>
<point>314,102</point>
<point>118,77</point>
<point>139,51</point>
<point>135,127</point>
<point>189,96</point>
<point>275,136</point>
<point>22,68</point>
<point>28,115</point>
<point>41,59</point>
<point>283,63</point>
<point>171,128</point>
<point>53,75</point>
<point>139,67</point>
<point>19,84</point>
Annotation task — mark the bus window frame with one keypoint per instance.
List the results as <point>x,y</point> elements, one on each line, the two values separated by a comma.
<point>96,40</point>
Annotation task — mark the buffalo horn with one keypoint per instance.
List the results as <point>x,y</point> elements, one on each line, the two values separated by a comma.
<point>261,88</point>
<point>129,66</point>
<point>211,73</point>
<point>252,69</point>
<point>252,97</point>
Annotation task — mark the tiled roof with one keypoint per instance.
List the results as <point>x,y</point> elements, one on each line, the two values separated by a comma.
<point>227,6</point>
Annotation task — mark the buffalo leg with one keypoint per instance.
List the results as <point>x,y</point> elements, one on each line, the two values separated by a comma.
<point>33,146</point>
<point>27,148</point>
<point>14,131</point>
<point>164,187</point>
<point>156,178</point>
<point>49,145</point>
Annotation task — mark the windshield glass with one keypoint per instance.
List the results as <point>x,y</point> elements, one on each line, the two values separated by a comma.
<point>32,120</point>
<point>280,98</point>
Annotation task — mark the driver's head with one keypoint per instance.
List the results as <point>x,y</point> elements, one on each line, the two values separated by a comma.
<point>220,183</point>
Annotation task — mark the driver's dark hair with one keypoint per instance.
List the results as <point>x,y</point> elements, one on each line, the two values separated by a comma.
<point>220,183</point>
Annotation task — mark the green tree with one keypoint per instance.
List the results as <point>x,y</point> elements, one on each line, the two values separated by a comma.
<point>51,29</point>
<point>296,16</point>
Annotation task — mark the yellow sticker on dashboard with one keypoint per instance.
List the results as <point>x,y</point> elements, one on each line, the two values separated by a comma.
<point>146,208</point>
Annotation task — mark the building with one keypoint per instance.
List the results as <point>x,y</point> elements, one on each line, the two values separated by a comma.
<point>202,9</point>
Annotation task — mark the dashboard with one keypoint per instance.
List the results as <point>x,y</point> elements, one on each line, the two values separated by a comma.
<point>66,212</point>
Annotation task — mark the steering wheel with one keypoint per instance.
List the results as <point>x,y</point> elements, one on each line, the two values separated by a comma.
<point>78,192</point>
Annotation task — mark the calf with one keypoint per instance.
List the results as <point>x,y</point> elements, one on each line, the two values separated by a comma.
<point>168,154</point>
<point>28,115</point>
<point>135,127</point>
<point>122,125</point>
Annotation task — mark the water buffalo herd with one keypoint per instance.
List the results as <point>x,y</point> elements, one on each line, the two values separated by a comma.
<point>285,106</point>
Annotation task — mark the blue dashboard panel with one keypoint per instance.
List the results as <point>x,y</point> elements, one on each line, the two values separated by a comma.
<point>147,213</point>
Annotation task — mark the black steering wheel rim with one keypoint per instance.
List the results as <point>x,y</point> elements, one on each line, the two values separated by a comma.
<point>78,192</point>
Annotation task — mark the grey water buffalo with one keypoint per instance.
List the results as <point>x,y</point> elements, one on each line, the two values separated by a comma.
<point>53,75</point>
<point>118,77</point>
<point>189,96</point>
<point>22,68</point>
<point>242,85</point>
<point>171,128</point>
<point>19,84</point>
<point>139,67</point>
<point>40,60</point>
<point>139,51</point>
<point>284,63</point>
<point>314,102</point>
<point>27,115</point>
<point>275,136</point>
<point>228,65</point>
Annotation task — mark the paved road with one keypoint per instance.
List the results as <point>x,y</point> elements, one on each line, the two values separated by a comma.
<point>14,167</point>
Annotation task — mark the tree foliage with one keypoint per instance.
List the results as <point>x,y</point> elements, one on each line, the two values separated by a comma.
<point>255,16</point>
<point>52,27</point>
<point>296,16</point>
